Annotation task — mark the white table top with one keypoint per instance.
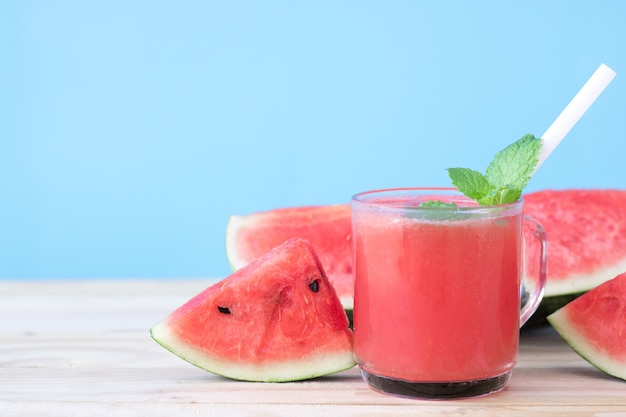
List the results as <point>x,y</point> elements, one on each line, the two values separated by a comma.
<point>82,348</point>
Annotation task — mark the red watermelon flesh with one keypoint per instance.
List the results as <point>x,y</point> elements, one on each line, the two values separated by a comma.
<point>277,319</point>
<point>586,231</point>
<point>327,228</point>
<point>594,325</point>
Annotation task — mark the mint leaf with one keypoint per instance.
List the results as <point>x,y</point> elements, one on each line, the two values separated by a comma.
<point>512,167</point>
<point>505,177</point>
<point>501,196</point>
<point>437,204</point>
<point>471,183</point>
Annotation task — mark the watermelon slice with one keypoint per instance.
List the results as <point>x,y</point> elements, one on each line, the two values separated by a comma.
<point>328,228</point>
<point>586,231</point>
<point>594,325</point>
<point>277,319</point>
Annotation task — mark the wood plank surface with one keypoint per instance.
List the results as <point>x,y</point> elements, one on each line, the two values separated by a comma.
<point>82,348</point>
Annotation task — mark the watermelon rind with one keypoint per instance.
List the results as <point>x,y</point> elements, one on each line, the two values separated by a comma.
<point>560,292</point>
<point>583,282</point>
<point>561,323</point>
<point>234,223</point>
<point>314,366</point>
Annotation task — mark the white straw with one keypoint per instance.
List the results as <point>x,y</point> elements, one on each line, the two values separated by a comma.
<point>574,110</point>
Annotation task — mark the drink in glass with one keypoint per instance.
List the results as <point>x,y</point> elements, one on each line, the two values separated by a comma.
<point>437,292</point>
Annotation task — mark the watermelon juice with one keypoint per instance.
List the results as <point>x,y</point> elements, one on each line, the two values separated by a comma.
<point>437,293</point>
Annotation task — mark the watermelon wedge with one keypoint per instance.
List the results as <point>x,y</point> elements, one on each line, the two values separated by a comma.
<point>276,319</point>
<point>586,231</point>
<point>594,325</point>
<point>327,228</point>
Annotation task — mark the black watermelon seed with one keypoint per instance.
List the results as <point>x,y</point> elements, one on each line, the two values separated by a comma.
<point>223,310</point>
<point>314,286</point>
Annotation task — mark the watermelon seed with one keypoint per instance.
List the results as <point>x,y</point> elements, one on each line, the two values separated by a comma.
<point>314,286</point>
<point>223,310</point>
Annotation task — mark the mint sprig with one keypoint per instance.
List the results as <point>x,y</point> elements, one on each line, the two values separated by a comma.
<point>505,177</point>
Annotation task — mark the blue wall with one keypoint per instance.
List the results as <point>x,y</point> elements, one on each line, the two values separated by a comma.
<point>131,130</point>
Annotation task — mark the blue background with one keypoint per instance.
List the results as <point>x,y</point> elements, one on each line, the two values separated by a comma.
<point>131,130</point>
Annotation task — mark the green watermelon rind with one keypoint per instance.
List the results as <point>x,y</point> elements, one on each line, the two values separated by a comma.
<point>561,323</point>
<point>313,366</point>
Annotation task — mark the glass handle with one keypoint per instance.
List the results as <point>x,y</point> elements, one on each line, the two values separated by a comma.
<point>531,299</point>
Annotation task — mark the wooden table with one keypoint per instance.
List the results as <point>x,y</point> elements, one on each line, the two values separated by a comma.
<point>82,348</point>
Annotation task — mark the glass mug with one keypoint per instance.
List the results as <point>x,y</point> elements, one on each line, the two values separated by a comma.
<point>440,292</point>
